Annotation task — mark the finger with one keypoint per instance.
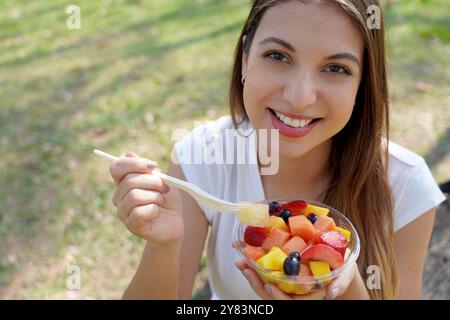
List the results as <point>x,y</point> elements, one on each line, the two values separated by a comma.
<point>141,216</point>
<point>138,197</point>
<point>339,285</point>
<point>277,294</point>
<point>138,181</point>
<point>256,283</point>
<point>241,265</point>
<point>237,244</point>
<point>131,154</point>
<point>124,165</point>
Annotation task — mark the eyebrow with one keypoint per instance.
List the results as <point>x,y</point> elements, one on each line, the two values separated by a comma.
<point>342,55</point>
<point>281,42</point>
<point>345,56</point>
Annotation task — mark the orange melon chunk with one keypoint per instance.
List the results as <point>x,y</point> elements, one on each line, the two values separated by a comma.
<point>276,238</point>
<point>301,226</point>
<point>324,223</point>
<point>295,244</point>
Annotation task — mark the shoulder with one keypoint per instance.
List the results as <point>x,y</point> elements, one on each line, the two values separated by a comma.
<point>403,156</point>
<point>208,141</point>
<point>200,152</point>
<point>414,189</point>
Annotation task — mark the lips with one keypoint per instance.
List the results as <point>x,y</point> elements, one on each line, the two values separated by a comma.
<point>289,131</point>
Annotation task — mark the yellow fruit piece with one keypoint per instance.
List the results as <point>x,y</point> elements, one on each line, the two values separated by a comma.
<point>345,232</point>
<point>293,288</point>
<point>284,284</point>
<point>276,223</point>
<point>318,211</point>
<point>276,277</point>
<point>265,277</point>
<point>254,214</point>
<point>273,260</point>
<point>319,269</point>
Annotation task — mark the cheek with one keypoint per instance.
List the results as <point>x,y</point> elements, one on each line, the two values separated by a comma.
<point>257,92</point>
<point>341,104</point>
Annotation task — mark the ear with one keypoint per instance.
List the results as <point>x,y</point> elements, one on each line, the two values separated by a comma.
<point>244,56</point>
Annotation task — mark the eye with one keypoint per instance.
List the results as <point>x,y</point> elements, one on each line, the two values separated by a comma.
<point>336,68</point>
<point>277,56</point>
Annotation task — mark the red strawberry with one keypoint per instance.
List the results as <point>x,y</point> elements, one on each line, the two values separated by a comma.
<point>322,252</point>
<point>296,207</point>
<point>255,236</point>
<point>334,239</point>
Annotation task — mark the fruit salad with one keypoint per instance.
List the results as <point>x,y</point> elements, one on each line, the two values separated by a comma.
<point>303,246</point>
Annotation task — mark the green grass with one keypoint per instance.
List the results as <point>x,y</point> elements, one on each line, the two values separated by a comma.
<point>65,92</point>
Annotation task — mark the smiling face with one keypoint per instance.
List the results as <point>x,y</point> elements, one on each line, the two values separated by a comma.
<point>302,74</point>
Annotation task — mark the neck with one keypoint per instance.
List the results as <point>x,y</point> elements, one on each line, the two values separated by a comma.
<point>307,175</point>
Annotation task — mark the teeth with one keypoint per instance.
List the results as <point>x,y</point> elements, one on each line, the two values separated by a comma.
<point>296,123</point>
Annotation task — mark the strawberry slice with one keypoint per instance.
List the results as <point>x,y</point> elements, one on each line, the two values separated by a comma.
<point>334,239</point>
<point>322,252</point>
<point>296,207</point>
<point>255,236</point>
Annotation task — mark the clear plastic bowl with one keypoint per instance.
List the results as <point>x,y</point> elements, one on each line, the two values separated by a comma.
<point>303,284</point>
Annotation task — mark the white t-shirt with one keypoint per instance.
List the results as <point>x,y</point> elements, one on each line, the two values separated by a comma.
<point>413,187</point>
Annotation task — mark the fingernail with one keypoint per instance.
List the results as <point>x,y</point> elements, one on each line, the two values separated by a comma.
<point>268,289</point>
<point>166,188</point>
<point>246,275</point>
<point>151,164</point>
<point>334,293</point>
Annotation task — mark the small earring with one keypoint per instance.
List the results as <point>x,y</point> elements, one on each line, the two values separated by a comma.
<point>243,79</point>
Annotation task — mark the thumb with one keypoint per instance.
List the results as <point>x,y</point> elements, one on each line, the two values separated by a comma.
<point>131,154</point>
<point>339,285</point>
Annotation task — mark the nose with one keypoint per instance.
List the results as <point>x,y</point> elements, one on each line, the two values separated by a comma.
<point>300,90</point>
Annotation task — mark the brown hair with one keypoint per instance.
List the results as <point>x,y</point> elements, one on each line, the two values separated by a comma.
<point>359,185</point>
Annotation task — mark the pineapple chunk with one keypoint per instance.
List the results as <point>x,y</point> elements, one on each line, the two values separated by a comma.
<point>318,211</point>
<point>345,232</point>
<point>293,288</point>
<point>319,269</point>
<point>276,223</point>
<point>254,214</point>
<point>273,260</point>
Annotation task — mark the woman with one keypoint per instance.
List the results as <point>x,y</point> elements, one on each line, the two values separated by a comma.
<point>316,72</point>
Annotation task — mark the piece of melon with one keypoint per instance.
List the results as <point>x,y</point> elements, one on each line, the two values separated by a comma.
<point>324,223</point>
<point>276,238</point>
<point>295,244</point>
<point>253,253</point>
<point>301,226</point>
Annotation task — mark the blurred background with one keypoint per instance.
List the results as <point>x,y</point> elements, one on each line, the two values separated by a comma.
<point>134,71</point>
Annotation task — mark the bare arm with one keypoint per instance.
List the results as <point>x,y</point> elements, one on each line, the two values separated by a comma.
<point>411,244</point>
<point>195,232</point>
<point>168,271</point>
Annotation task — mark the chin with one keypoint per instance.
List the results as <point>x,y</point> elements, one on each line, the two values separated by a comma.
<point>289,151</point>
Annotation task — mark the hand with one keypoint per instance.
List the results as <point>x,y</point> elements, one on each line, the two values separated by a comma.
<point>145,204</point>
<point>271,292</point>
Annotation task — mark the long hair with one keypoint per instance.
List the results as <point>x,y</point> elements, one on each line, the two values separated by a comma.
<point>359,156</point>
